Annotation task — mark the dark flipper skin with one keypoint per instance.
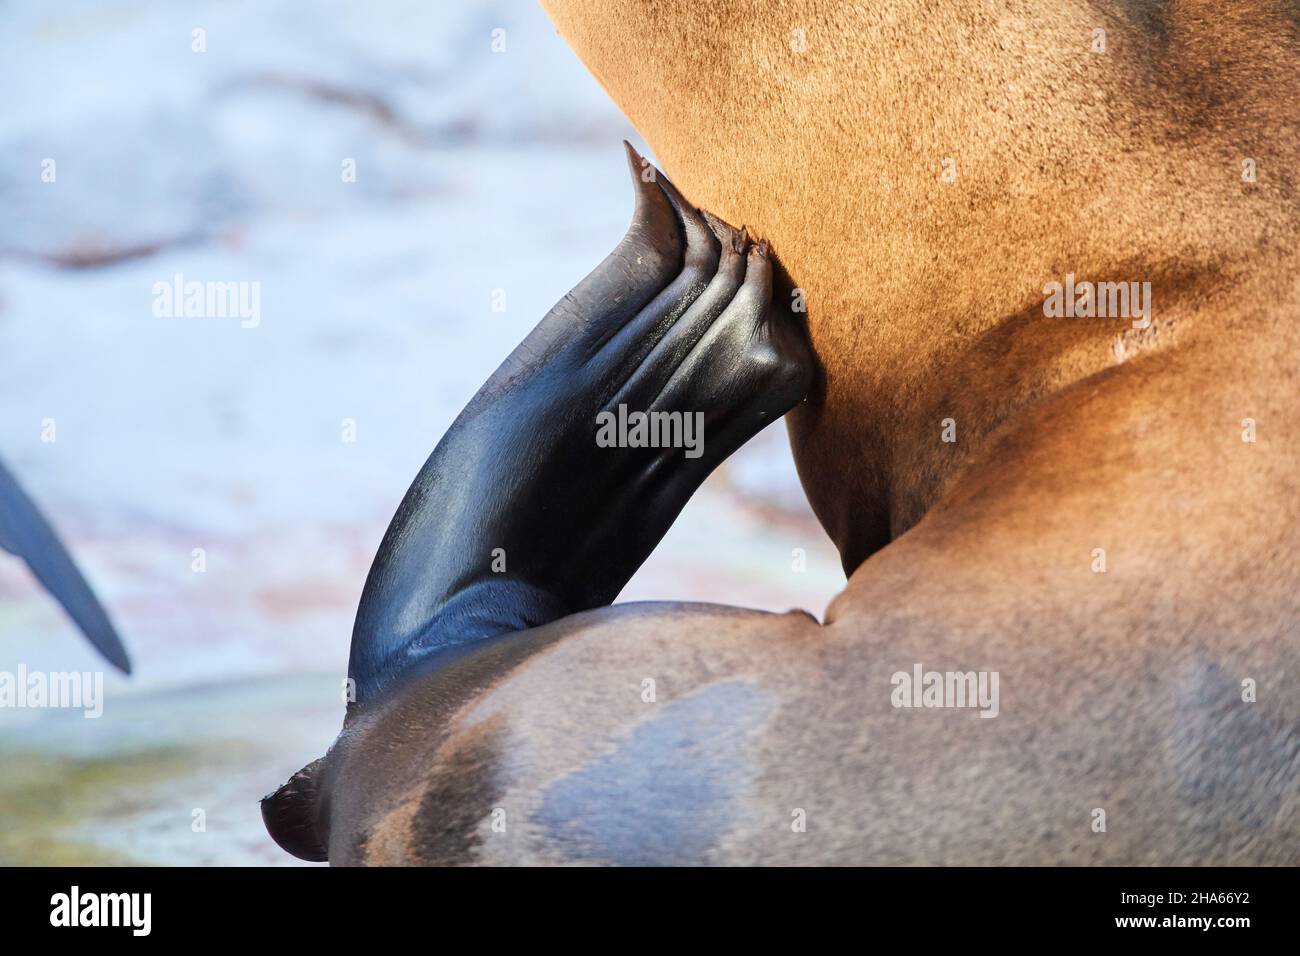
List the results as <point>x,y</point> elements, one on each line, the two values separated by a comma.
<point>25,532</point>
<point>520,517</point>
<point>677,319</point>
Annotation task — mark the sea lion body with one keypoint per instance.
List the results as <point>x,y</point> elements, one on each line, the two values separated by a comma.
<point>1113,532</point>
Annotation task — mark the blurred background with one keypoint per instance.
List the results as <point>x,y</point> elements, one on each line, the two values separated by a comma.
<point>214,141</point>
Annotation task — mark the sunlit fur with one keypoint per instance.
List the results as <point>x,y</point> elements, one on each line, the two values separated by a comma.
<point>1125,690</point>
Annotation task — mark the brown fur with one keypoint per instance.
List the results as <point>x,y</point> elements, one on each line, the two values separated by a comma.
<point>1119,164</point>
<point>1120,690</point>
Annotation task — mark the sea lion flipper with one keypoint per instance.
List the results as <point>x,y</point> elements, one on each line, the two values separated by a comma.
<point>627,345</point>
<point>646,259</point>
<point>25,533</point>
<point>292,815</point>
<point>702,243</point>
<point>498,532</point>
<point>653,372</point>
<point>754,360</point>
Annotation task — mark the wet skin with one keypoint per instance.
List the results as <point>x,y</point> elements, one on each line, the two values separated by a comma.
<point>520,517</point>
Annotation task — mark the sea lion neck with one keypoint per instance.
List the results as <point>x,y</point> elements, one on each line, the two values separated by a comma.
<point>924,173</point>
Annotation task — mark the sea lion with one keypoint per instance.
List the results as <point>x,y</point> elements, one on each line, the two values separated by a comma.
<point>518,518</point>
<point>1100,514</point>
<point>25,533</point>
